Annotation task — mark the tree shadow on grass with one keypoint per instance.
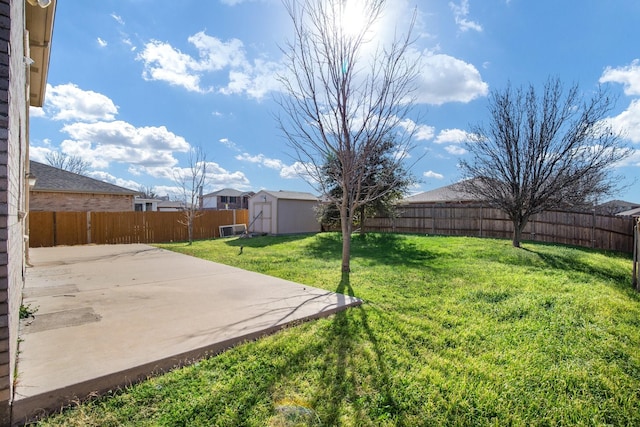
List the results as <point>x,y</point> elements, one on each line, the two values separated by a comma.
<point>573,261</point>
<point>264,241</point>
<point>379,248</point>
<point>347,366</point>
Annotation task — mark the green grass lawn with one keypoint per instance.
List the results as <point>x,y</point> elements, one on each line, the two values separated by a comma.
<point>453,331</point>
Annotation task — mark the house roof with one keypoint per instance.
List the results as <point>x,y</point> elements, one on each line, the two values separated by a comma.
<point>613,207</point>
<point>39,23</point>
<point>631,212</point>
<point>447,194</point>
<point>229,192</point>
<point>51,179</point>
<point>289,195</point>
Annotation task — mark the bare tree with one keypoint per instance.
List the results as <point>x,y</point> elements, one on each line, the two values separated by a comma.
<point>543,152</point>
<point>342,102</point>
<point>191,180</point>
<point>60,160</point>
<point>148,192</point>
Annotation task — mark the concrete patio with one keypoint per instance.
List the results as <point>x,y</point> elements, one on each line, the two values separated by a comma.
<point>109,316</point>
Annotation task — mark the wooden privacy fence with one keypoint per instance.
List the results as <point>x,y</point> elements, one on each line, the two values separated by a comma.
<point>570,228</point>
<point>79,228</point>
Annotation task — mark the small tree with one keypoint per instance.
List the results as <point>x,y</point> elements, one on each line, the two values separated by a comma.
<point>60,160</point>
<point>342,103</point>
<point>191,181</point>
<point>542,152</point>
<point>383,176</point>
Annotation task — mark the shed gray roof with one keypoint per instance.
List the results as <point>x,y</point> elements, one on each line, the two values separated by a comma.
<point>290,195</point>
<point>51,179</point>
<point>448,194</point>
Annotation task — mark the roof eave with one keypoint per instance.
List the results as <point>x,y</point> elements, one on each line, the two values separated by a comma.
<point>39,23</point>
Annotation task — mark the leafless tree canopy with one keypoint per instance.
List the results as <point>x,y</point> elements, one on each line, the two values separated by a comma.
<point>343,101</point>
<point>190,181</point>
<point>66,162</point>
<point>542,152</point>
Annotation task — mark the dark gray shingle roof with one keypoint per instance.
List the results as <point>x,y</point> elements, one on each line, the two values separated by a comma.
<point>49,178</point>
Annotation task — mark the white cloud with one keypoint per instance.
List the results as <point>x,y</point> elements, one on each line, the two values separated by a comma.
<point>229,144</point>
<point>102,43</point>
<point>256,81</point>
<point>628,122</point>
<point>107,177</point>
<point>36,112</point>
<point>163,62</point>
<point>70,103</point>
<point>629,76</point>
<point>460,14</point>
<point>433,175</point>
<point>455,136</point>
<point>261,159</point>
<point>217,176</point>
<point>421,132</point>
<point>117,18</point>
<point>214,54</point>
<point>296,170</point>
<point>39,154</point>
<point>103,142</point>
<point>444,78</point>
<point>455,150</point>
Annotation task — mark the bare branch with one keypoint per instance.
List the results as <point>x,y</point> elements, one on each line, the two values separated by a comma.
<point>191,182</point>
<point>344,103</point>
<point>60,160</point>
<point>543,152</point>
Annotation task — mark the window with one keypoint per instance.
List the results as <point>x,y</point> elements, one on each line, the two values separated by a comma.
<point>224,199</point>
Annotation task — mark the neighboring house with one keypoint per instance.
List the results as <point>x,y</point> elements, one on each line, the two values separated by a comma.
<point>25,40</point>
<point>141,204</point>
<point>60,190</point>
<point>615,207</point>
<point>448,194</point>
<point>162,204</point>
<point>170,206</point>
<point>631,212</point>
<point>283,212</point>
<point>227,198</point>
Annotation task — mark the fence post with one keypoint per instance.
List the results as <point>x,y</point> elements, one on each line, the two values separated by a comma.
<point>636,254</point>
<point>88,228</point>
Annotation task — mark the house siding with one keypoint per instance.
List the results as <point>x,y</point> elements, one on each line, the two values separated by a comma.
<point>13,152</point>
<point>79,202</point>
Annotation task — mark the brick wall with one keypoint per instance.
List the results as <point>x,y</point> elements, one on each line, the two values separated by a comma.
<point>13,152</point>
<point>77,202</point>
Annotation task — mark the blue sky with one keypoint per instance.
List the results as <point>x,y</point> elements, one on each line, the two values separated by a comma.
<point>134,83</point>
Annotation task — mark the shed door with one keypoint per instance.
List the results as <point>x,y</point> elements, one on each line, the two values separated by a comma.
<point>263,222</point>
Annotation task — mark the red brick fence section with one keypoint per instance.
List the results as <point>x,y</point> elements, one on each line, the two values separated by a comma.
<point>570,228</point>
<point>79,228</point>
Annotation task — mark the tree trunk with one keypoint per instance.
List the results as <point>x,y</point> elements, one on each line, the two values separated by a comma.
<point>190,229</point>
<point>517,235</point>
<point>362,218</point>
<point>345,220</point>
<point>518,227</point>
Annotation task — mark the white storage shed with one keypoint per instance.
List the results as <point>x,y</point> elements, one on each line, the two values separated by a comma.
<point>283,212</point>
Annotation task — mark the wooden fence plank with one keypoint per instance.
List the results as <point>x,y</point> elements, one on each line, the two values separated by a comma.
<point>77,228</point>
<point>571,228</point>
